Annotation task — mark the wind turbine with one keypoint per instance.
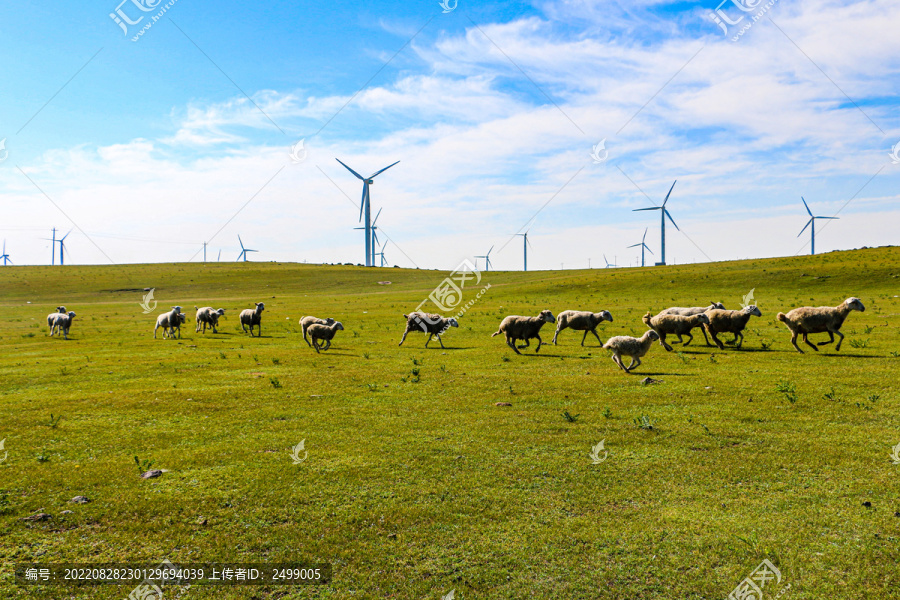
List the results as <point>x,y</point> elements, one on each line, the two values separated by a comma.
<point>609,264</point>
<point>52,247</point>
<point>62,248</point>
<point>381,254</point>
<point>244,251</point>
<point>525,244</point>
<point>374,240</point>
<point>5,257</point>
<point>365,208</point>
<point>487,260</point>
<point>643,246</point>
<point>220,256</point>
<point>662,220</point>
<point>812,221</point>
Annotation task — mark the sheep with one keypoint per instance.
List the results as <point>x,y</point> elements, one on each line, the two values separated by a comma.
<point>51,318</point>
<point>694,310</point>
<point>432,324</point>
<point>169,321</point>
<point>823,319</point>
<point>61,322</point>
<point>253,317</point>
<point>581,320</point>
<point>305,322</point>
<point>524,328</point>
<point>323,332</point>
<point>678,325</point>
<point>731,321</point>
<point>624,345</point>
<point>208,316</point>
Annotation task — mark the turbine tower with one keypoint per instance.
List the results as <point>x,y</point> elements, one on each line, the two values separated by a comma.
<point>244,251</point>
<point>487,260</point>
<point>643,246</point>
<point>525,244</point>
<point>365,208</point>
<point>374,240</point>
<point>62,248</point>
<point>662,226</point>
<point>812,231</point>
<point>52,247</point>
<point>5,257</point>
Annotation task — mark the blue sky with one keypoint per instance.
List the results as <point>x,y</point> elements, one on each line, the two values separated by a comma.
<point>153,146</point>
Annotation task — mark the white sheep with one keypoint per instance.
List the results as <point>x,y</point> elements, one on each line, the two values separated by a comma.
<point>581,320</point>
<point>51,318</point>
<point>169,321</point>
<point>432,324</point>
<point>305,322</point>
<point>61,322</point>
<point>253,317</point>
<point>625,345</point>
<point>524,328</point>
<point>730,321</point>
<point>693,310</point>
<point>822,319</point>
<point>323,332</point>
<point>675,325</point>
<point>208,316</point>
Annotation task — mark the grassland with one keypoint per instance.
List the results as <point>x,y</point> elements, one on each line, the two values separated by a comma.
<point>416,483</point>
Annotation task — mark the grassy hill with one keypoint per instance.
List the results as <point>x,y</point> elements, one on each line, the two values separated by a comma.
<point>416,482</point>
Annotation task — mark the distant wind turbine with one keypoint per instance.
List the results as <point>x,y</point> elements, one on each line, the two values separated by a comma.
<point>62,248</point>
<point>365,209</point>
<point>609,264</point>
<point>525,244</point>
<point>220,255</point>
<point>812,231</point>
<point>643,246</point>
<point>487,260</point>
<point>244,251</point>
<point>5,257</point>
<point>374,240</point>
<point>662,227</point>
<point>381,254</point>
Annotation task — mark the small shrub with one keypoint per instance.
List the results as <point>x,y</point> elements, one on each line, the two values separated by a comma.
<point>43,457</point>
<point>570,417</point>
<point>143,465</point>
<point>222,355</point>
<point>275,383</point>
<point>765,344</point>
<point>644,422</point>
<point>854,343</point>
<point>54,421</point>
<point>276,361</point>
<point>366,355</point>
<point>607,413</point>
<point>869,329</point>
<point>788,389</point>
<point>830,395</point>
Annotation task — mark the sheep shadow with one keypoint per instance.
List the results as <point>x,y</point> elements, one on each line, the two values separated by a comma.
<point>836,354</point>
<point>660,374</point>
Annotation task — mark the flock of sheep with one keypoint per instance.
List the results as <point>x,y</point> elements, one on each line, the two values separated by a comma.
<point>677,321</point>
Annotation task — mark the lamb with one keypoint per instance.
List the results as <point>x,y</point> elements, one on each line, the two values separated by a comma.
<point>305,322</point>
<point>678,325</point>
<point>624,345</point>
<point>253,317</point>
<point>824,319</point>
<point>581,320</point>
<point>694,310</point>
<point>61,322</point>
<point>731,321</point>
<point>524,328</point>
<point>323,332</point>
<point>208,316</point>
<point>169,321</point>
<point>432,324</point>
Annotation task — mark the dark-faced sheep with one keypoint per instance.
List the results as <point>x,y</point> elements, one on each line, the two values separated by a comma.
<point>693,310</point>
<point>636,348</point>
<point>524,328</point>
<point>323,332</point>
<point>674,325</point>
<point>252,317</point>
<point>61,322</point>
<point>432,324</point>
<point>822,319</point>
<point>170,321</point>
<point>581,320</point>
<point>305,322</point>
<point>730,321</point>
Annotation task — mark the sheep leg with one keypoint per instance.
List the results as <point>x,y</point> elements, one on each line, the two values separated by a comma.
<point>428,340</point>
<point>831,335</point>
<point>635,362</point>
<point>794,341</point>
<point>690,339</point>
<point>403,339</point>
<point>511,342</point>
<point>439,339</point>
<point>718,342</point>
<point>540,343</point>
<point>840,341</point>
<point>327,345</point>
<point>555,335</point>
<point>662,341</point>
<point>704,329</point>
<point>527,343</point>
<point>736,337</point>
<point>808,343</point>
<point>618,361</point>
<point>308,344</point>
<point>315,344</point>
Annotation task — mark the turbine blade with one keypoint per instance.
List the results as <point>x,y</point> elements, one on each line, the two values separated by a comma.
<point>640,209</point>
<point>670,193</point>
<point>65,236</point>
<point>349,169</point>
<point>372,176</point>
<point>365,199</point>
<point>671,219</point>
<point>644,239</point>
<point>807,206</point>
<point>489,251</point>
<point>826,217</point>
<point>376,216</point>
<point>648,248</point>
<point>634,246</point>
<point>241,242</point>
<point>808,223</point>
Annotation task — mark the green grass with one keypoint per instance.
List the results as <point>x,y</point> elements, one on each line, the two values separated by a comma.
<point>416,482</point>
